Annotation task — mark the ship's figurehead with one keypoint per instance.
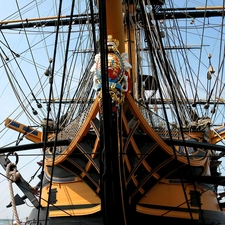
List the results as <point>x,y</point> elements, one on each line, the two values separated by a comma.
<point>118,76</point>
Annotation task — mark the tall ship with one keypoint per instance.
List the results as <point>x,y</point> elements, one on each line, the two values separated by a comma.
<point>116,110</point>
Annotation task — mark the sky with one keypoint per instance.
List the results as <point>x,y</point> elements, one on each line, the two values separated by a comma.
<point>27,164</point>
<point>34,64</point>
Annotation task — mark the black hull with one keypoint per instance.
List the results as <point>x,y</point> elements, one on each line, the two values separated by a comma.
<point>210,218</point>
<point>93,219</point>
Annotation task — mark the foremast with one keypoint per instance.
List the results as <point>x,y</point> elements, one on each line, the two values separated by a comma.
<point>112,187</point>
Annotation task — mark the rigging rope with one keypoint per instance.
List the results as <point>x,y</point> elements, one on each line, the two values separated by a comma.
<point>13,176</point>
<point>166,68</point>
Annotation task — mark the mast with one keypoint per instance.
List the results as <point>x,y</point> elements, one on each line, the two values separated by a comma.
<point>112,188</point>
<point>114,21</point>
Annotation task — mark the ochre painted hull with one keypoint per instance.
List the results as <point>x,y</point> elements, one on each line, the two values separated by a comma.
<point>153,192</point>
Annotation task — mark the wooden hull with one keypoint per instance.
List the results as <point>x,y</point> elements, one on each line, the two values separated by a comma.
<point>156,179</point>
